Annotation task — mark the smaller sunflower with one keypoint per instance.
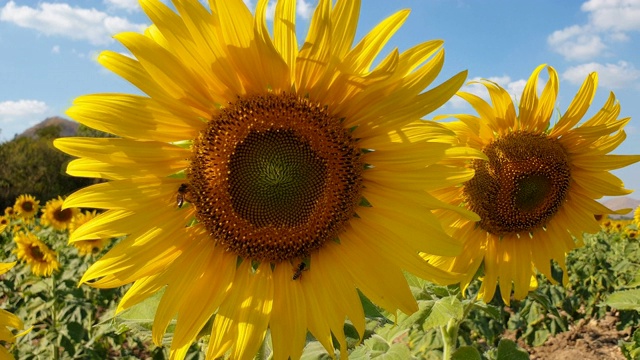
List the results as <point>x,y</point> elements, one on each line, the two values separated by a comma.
<point>55,216</point>
<point>38,255</point>
<point>7,320</point>
<point>9,212</point>
<point>26,206</point>
<point>86,246</point>
<point>537,193</point>
<point>4,223</point>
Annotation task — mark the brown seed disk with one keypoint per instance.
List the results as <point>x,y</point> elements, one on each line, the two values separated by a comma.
<point>63,216</point>
<point>521,187</point>
<point>274,176</point>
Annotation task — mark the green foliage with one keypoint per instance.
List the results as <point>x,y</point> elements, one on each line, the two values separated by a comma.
<point>71,322</point>
<point>33,166</point>
<point>67,321</point>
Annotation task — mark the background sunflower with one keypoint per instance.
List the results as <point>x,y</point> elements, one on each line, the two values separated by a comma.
<point>537,192</point>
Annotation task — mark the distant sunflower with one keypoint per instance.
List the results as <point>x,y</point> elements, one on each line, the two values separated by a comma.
<point>4,223</point>
<point>7,321</point>
<point>38,255</point>
<point>303,171</point>
<point>9,212</point>
<point>56,216</point>
<point>26,206</point>
<point>88,246</point>
<point>537,190</point>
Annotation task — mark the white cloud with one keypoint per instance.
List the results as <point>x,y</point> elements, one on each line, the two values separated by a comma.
<point>129,5</point>
<point>576,43</point>
<point>60,19</point>
<point>55,49</point>
<point>304,8</point>
<point>612,76</point>
<point>615,15</point>
<point>608,22</point>
<point>14,110</point>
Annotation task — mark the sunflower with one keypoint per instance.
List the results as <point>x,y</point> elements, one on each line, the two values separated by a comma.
<point>38,255</point>
<point>4,223</point>
<point>57,217</point>
<point>88,246</point>
<point>9,212</point>
<point>26,207</point>
<point>265,180</point>
<point>538,188</point>
<point>7,320</point>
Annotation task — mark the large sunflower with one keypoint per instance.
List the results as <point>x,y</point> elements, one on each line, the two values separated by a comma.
<point>261,182</point>
<point>26,206</point>
<point>537,191</point>
<point>42,259</point>
<point>7,321</point>
<point>56,216</point>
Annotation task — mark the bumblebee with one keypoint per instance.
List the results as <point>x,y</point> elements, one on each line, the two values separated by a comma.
<point>182,195</point>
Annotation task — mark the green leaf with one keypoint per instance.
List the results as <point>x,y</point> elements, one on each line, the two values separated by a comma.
<point>490,310</point>
<point>370,309</point>
<point>396,352</point>
<point>315,351</point>
<point>624,300</point>
<point>443,311</point>
<point>466,353</point>
<point>76,331</point>
<point>508,350</point>
<point>141,315</point>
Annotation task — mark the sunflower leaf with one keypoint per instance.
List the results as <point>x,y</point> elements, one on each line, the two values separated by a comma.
<point>466,353</point>
<point>624,300</point>
<point>444,310</point>
<point>508,350</point>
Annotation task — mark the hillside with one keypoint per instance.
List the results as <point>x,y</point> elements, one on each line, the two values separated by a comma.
<point>623,202</point>
<point>67,127</point>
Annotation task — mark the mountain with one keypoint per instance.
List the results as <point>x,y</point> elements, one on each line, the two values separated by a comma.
<point>67,127</point>
<point>622,202</point>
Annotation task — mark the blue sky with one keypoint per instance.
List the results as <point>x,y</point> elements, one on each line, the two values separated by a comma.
<point>48,50</point>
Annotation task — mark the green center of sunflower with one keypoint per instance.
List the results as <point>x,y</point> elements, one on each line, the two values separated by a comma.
<point>63,216</point>
<point>523,185</point>
<point>273,177</point>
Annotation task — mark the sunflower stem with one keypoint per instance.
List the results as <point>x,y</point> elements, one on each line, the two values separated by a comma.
<point>449,338</point>
<point>54,318</point>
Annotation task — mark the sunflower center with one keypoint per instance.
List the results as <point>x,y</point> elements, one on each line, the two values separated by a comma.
<point>27,206</point>
<point>522,186</point>
<point>274,176</point>
<point>36,253</point>
<point>63,216</point>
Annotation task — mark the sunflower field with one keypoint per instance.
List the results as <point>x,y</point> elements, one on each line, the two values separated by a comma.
<point>264,196</point>
<point>67,321</point>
